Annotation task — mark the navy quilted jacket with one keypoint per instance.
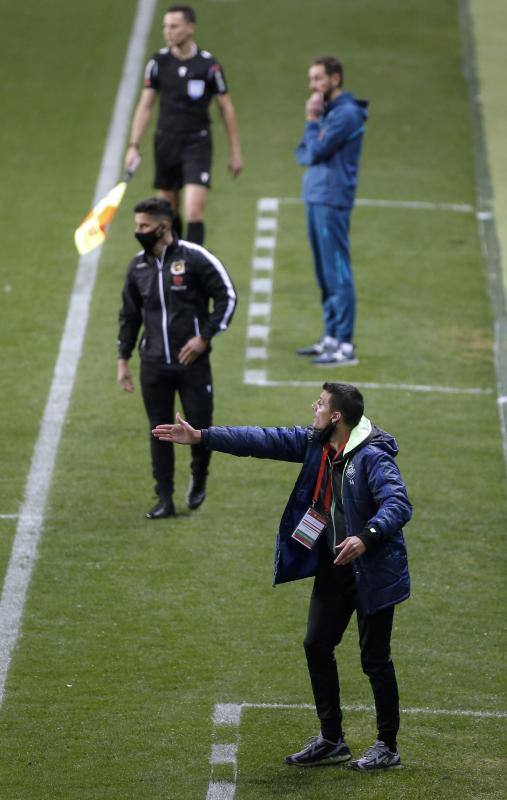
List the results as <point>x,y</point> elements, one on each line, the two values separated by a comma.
<point>373,494</point>
<point>331,149</point>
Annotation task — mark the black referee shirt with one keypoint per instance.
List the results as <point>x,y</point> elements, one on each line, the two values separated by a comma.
<point>186,89</point>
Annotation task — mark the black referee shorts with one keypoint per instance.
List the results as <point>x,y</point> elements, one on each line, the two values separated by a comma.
<point>182,158</point>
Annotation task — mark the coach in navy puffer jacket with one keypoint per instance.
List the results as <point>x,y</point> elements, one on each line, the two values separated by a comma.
<point>350,482</point>
<point>374,496</point>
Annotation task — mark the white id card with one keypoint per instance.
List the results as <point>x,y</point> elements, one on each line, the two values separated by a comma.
<point>310,528</point>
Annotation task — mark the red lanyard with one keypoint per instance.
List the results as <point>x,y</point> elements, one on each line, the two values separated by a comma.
<point>327,494</point>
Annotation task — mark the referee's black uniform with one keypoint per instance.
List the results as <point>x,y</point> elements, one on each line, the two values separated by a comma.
<point>171,296</point>
<point>183,146</point>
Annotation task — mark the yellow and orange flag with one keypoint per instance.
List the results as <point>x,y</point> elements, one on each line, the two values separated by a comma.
<point>93,229</point>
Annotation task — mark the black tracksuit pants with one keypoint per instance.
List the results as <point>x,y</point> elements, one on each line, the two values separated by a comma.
<point>159,384</point>
<point>333,601</point>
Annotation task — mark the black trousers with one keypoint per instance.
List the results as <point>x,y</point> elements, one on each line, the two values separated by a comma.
<point>159,384</point>
<point>333,601</point>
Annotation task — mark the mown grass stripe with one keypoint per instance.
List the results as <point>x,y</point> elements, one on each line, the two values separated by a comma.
<point>31,517</point>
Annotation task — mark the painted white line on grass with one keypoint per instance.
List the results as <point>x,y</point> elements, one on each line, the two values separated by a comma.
<point>31,517</point>
<point>9,516</point>
<point>446,712</point>
<point>221,790</point>
<point>227,721</point>
<point>414,205</point>
<point>223,753</point>
<point>261,287</point>
<point>259,379</point>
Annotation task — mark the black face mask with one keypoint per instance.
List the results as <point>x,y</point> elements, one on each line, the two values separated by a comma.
<point>149,239</point>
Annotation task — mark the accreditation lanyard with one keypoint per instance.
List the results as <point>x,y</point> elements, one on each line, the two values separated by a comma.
<point>320,476</point>
<point>313,522</point>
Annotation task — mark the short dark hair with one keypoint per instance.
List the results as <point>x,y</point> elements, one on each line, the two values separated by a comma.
<point>155,207</point>
<point>331,65</point>
<point>187,11</point>
<point>347,399</point>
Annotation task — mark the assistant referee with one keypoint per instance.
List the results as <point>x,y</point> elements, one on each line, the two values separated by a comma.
<point>186,79</point>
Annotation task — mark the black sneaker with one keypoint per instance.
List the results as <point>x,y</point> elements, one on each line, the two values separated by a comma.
<point>378,756</point>
<point>161,510</point>
<point>320,751</point>
<point>196,492</point>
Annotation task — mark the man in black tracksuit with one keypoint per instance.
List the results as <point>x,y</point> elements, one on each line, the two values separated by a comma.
<point>168,289</point>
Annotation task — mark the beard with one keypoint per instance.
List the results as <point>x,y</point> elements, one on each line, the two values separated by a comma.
<point>324,434</point>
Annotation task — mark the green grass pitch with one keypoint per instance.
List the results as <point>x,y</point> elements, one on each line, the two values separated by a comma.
<point>134,631</point>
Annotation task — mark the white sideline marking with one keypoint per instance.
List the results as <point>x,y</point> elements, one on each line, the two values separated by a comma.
<point>446,712</point>
<point>31,517</point>
<point>254,377</point>
<point>222,790</point>
<point>229,714</point>
<point>263,262</point>
<point>261,288</point>
<point>223,753</point>
<point>268,204</point>
<point>259,310</point>
<point>258,332</point>
<point>265,242</point>
<point>415,205</point>
<point>256,353</point>
<point>9,516</point>
<point>259,379</point>
<point>266,224</point>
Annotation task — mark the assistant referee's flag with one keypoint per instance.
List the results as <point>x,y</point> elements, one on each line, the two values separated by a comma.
<point>93,229</point>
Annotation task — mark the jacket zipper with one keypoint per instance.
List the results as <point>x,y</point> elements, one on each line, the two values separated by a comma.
<point>333,503</point>
<point>355,568</point>
<point>165,337</point>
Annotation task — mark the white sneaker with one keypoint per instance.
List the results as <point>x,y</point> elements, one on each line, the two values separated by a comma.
<point>324,345</point>
<point>344,355</point>
<point>378,756</point>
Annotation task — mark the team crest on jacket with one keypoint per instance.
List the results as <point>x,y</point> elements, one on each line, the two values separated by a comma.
<point>350,472</point>
<point>178,268</point>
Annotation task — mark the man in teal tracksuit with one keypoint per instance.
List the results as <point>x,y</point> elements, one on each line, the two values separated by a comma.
<point>331,148</point>
<point>350,481</point>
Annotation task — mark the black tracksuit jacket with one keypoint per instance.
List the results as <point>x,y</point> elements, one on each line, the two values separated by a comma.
<point>171,297</point>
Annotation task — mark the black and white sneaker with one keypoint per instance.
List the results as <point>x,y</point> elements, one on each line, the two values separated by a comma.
<point>320,751</point>
<point>378,756</point>
<point>344,356</point>
<point>324,345</point>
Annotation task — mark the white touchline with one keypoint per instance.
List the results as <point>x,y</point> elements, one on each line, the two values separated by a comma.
<point>415,205</point>
<point>261,286</point>
<point>31,516</point>
<point>227,720</point>
<point>261,380</point>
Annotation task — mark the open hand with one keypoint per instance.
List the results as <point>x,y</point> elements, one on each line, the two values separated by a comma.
<point>179,433</point>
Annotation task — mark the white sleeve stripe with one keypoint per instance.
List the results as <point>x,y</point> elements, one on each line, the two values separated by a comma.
<point>220,268</point>
<point>151,70</point>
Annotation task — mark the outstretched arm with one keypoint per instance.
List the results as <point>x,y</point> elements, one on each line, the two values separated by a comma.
<point>280,444</point>
<point>179,433</point>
